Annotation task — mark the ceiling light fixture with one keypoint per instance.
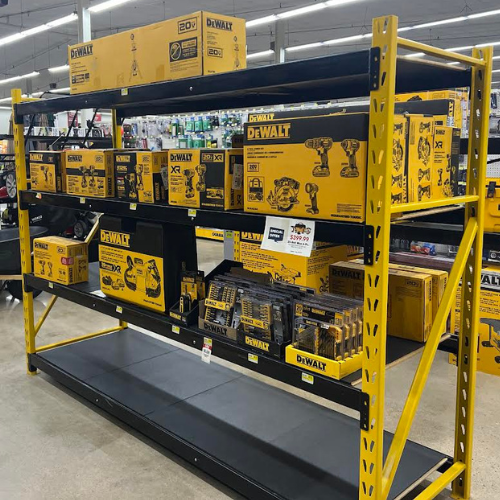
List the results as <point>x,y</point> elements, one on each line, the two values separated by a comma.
<point>20,77</point>
<point>258,55</point>
<point>106,5</point>
<point>59,91</point>
<point>58,69</point>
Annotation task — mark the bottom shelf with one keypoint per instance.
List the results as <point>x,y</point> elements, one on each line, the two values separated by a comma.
<point>260,440</point>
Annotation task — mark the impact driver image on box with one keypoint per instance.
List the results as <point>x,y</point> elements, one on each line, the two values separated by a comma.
<point>307,167</point>
<point>47,171</point>
<point>89,172</point>
<point>206,178</point>
<point>399,189</point>
<point>138,175</point>
<point>446,161</point>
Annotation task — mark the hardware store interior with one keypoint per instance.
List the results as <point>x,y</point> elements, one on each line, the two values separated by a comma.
<point>210,285</point>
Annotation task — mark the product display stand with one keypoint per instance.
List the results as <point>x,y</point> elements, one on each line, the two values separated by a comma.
<point>259,440</point>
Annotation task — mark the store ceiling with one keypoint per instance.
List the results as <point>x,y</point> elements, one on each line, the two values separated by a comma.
<point>48,49</point>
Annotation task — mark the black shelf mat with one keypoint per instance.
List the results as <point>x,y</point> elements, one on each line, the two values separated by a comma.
<point>291,446</point>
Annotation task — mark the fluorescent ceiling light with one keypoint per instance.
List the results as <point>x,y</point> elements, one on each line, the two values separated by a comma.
<point>440,23</point>
<point>106,5</point>
<point>257,55</point>
<point>484,14</point>
<point>415,55</point>
<point>347,39</point>
<point>20,77</point>
<point>262,20</point>
<point>35,30</point>
<point>304,47</point>
<point>496,71</point>
<point>6,99</point>
<point>57,69</point>
<point>5,107</point>
<point>63,20</point>
<point>37,94</point>
<point>302,10</point>
<point>11,38</point>
<point>59,91</point>
<point>487,44</point>
<point>460,49</point>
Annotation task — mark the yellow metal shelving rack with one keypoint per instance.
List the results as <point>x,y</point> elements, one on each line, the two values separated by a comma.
<point>376,475</point>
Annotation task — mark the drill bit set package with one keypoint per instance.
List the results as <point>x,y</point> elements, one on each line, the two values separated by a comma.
<point>89,172</point>
<point>141,263</point>
<point>47,172</point>
<point>206,178</point>
<point>138,175</point>
<point>328,335</point>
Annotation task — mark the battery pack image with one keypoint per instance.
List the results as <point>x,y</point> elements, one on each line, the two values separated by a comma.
<point>133,257</point>
<point>47,172</point>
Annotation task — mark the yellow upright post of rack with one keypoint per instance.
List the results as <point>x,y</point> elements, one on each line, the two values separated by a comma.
<point>471,280</point>
<point>24,230</point>
<point>378,219</point>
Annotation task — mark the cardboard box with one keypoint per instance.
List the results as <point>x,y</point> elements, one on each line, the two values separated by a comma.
<point>89,172</point>
<point>409,313</point>
<point>492,206</point>
<point>307,167</point>
<point>47,172</point>
<point>206,178</point>
<point>310,272</point>
<point>399,190</point>
<point>446,162</point>
<point>61,260</point>
<point>197,44</point>
<point>132,260</point>
<point>138,175</point>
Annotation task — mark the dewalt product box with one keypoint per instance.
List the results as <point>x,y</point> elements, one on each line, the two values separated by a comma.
<point>492,206</point>
<point>61,260</point>
<point>310,271</point>
<point>446,161</point>
<point>206,178</point>
<point>138,175</point>
<point>140,263</point>
<point>409,313</point>
<point>420,158</point>
<point>307,167</point>
<point>47,172</point>
<point>193,45</point>
<point>399,189</point>
<point>89,172</point>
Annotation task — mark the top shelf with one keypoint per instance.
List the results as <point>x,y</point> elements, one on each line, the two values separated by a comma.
<point>330,77</point>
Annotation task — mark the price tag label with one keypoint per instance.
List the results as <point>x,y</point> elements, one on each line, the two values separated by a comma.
<point>206,351</point>
<point>124,92</point>
<point>98,293</point>
<point>51,285</point>
<point>192,212</point>
<point>38,195</point>
<point>292,236</point>
<point>82,200</point>
<point>253,358</point>
<point>133,206</point>
<point>119,309</point>
<point>307,378</point>
<point>176,329</point>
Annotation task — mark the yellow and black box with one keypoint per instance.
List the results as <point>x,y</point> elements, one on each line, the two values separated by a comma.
<point>138,175</point>
<point>409,312</point>
<point>206,178</point>
<point>399,188</point>
<point>47,172</point>
<point>420,158</point>
<point>310,271</point>
<point>492,206</point>
<point>446,161</point>
<point>197,44</point>
<point>307,167</point>
<point>141,263</point>
<point>61,260</point>
<point>89,172</point>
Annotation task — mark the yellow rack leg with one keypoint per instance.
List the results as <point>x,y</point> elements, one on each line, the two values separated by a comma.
<point>24,232</point>
<point>471,281</point>
<point>378,217</point>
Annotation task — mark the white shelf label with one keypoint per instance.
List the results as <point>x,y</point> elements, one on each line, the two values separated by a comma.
<point>253,358</point>
<point>51,285</point>
<point>38,196</point>
<point>124,92</point>
<point>98,293</point>
<point>119,309</point>
<point>191,212</point>
<point>206,351</point>
<point>292,236</point>
<point>133,206</point>
<point>176,329</point>
<point>82,200</point>
<point>307,378</point>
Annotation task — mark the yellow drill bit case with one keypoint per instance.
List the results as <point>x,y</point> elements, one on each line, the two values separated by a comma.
<point>62,260</point>
<point>138,175</point>
<point>206,178</point>
<point>47,171</point>
<point>89,172</point>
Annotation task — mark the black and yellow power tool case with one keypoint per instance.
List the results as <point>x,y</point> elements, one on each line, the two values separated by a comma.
<point>141,262</point>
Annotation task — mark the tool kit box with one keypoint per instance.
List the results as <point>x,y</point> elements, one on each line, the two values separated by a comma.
<point>47,171</point>
<point>141,262</point>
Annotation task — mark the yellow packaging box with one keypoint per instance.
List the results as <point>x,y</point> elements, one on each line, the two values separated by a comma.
<point>420,158</point>
<point>446,161</point>
<point>409,313</point>
<point>47,172</point>
<point>197,44</point>
<point>89,172</point>
<point>492,206</point>
<point>459,99</point>
<point>61,260</point>
<point>205,178</point>
<point>138,175</point>
<point>310,271</point>
<point>399,190</point>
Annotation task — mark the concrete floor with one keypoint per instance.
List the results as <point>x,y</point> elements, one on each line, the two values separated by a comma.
<point>54,445</point>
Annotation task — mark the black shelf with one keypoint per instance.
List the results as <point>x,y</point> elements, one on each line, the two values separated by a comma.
<point>335,76</point>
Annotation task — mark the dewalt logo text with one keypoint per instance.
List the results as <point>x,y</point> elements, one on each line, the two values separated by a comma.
<point>42,246</point>
<point>219,24</point>
<point>342,273</point>
<point>75,158</point>
<point>36,157</point>
<point>181,156</point>
<point>312,363</point>
<point>84,50</point>
<point>261,118</point>
<point>281,131</point>
<point>123,158</point>
<point>114,238</point>
<point>251,236</point>
<point>259,344</point>
<point>209,327</point>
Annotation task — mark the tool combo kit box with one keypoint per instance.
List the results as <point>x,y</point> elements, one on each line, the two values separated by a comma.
<point>47,171</point>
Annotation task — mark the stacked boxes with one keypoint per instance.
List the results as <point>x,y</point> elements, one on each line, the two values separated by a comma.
<point>206,178</point>
<point>197,44</point>
<point>47,171</point>
<point>61,260</point>
<point>138,175</point>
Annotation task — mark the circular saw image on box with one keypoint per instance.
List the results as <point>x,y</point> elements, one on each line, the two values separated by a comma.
<point>285,194</point>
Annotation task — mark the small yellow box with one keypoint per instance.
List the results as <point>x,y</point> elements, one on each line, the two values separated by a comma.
<point>197,44</point>
<point>492,206</point>
<point>205,178</point>
<point>61,260</point>
<point>89,172</point>
<point>138,175</point>
<point>47,172</point>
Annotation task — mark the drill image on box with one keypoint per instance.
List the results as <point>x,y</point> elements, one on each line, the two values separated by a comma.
<point>88,176</point>
<point>322,145</point>
<point>351,147</point>
<point>285,194</point>
<point>493,335</point>
<point>189,175</point>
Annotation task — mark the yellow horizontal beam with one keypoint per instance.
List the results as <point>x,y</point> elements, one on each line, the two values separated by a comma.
<point>78,339</point>
<point>424,205</point>
<point>441,53</point>
<point>45,313</point>
<point>441,482</point>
